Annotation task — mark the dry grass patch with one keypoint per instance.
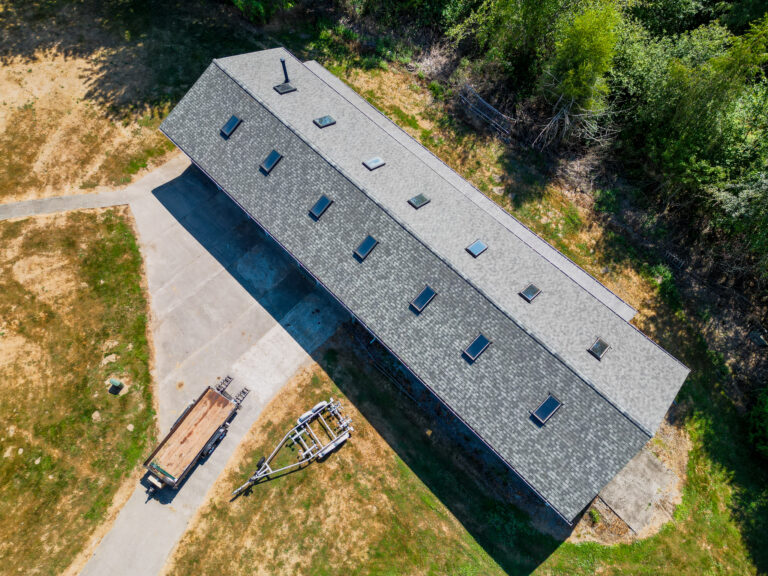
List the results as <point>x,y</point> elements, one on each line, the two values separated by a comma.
<point>84,86</point>
<point>68,283</point>
<point>55,141</point>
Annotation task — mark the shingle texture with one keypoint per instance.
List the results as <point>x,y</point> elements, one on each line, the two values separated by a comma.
<point>637,375</point>
<point>586,442</point>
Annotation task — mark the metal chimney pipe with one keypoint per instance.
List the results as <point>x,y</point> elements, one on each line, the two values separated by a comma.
<point>285,70</point>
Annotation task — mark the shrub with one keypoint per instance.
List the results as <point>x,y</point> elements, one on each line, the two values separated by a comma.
<point>759,421</point>
<point>574,78</point>
<point>261,11</point>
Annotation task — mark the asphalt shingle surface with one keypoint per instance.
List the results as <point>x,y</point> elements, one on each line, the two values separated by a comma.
<point>569,459</point>
<point>637,375</point>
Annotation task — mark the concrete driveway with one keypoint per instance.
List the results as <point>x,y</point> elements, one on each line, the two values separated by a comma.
<point>225,299</point>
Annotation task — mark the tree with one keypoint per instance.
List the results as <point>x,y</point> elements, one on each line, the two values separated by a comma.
<point>574,79</point>
<point>261,11</point>
<point>518,34</point>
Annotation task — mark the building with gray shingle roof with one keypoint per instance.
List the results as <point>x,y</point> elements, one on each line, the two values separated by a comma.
<point>609,407</point>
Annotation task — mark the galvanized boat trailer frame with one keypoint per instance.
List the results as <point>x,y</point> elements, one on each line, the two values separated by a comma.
<point>310,446</point>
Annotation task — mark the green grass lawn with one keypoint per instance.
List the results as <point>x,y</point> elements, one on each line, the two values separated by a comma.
<point>70,295</point>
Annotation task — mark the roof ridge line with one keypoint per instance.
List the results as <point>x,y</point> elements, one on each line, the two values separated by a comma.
<point>380,113</point>
<point>360,187</point>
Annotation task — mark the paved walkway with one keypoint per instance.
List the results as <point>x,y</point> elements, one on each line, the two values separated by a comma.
<point>225,300</point>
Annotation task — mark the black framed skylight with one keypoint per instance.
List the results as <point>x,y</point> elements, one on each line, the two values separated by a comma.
<point>284,88</point>
<point>477,247</point>
<point>271,161</point>
<point>324,121</point>
<point>418,201</point>
<point>365,248</point>
<point>599,348</point>
<point>478,346</point>
<point>374,163</point>
<point>320,207</point>
<point>230,126</point>
<point>423,299</point>
<point>530,292</point>
<point>546,410</point>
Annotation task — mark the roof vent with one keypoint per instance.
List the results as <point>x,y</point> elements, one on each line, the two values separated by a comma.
<point>230,127</point>
<point>478,346</point>
<point>599,348</point>
<point>546,410</point>
<point>365,248</point>
<point>270,162</point>
<point>425,297</point>
<point>530,292</point>
<point>477,247</point>
<point>286,87</point>
<point>374,163</point>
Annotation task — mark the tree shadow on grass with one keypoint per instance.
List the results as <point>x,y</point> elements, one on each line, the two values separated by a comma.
<point>141,52</point>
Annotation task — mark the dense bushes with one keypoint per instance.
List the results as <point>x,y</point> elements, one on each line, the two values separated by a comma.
<point>681,83</point>
<point>261,11</point>
<point>759,434</point>
<point>574,76</point>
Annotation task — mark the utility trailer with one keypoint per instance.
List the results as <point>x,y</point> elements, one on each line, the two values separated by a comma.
<point>194,435</point>
<point>332,430</point>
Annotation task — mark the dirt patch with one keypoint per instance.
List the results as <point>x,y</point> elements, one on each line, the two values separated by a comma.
<point>48,276</point>
<point>13,347</point>
<point>54,140</point>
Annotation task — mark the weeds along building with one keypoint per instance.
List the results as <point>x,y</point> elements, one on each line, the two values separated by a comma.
<point>531,352</point>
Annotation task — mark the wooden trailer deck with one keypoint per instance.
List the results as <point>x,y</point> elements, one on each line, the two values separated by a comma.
<point>184,444</point>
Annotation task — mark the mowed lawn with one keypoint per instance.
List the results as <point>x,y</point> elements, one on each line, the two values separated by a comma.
<point>72,314</point>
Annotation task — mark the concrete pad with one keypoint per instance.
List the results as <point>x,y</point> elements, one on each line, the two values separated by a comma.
<point>635,492</point>
<point>225,299</point>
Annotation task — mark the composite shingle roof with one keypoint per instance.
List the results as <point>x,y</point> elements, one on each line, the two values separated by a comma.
<point>606,415</point>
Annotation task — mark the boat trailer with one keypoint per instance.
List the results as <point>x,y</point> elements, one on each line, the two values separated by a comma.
<point>328,415</point>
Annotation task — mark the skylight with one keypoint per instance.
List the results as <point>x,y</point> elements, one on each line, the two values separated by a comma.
<point>477,247</point>
<point>324,121</point>
<point>477,347</point>
<point>230,126</point>
<point>320,207</point>
<point>374,163</point>
<point>271,161</point>
<point>530,292</point>
<point>599,348</point>
<point>365,248</point>
<point>425,297</point>
<point>546,409</point>
<point>418,201</point>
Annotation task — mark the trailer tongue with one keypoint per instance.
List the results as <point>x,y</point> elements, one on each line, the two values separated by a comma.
<point>194,435</point>
<point>334,425</point>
